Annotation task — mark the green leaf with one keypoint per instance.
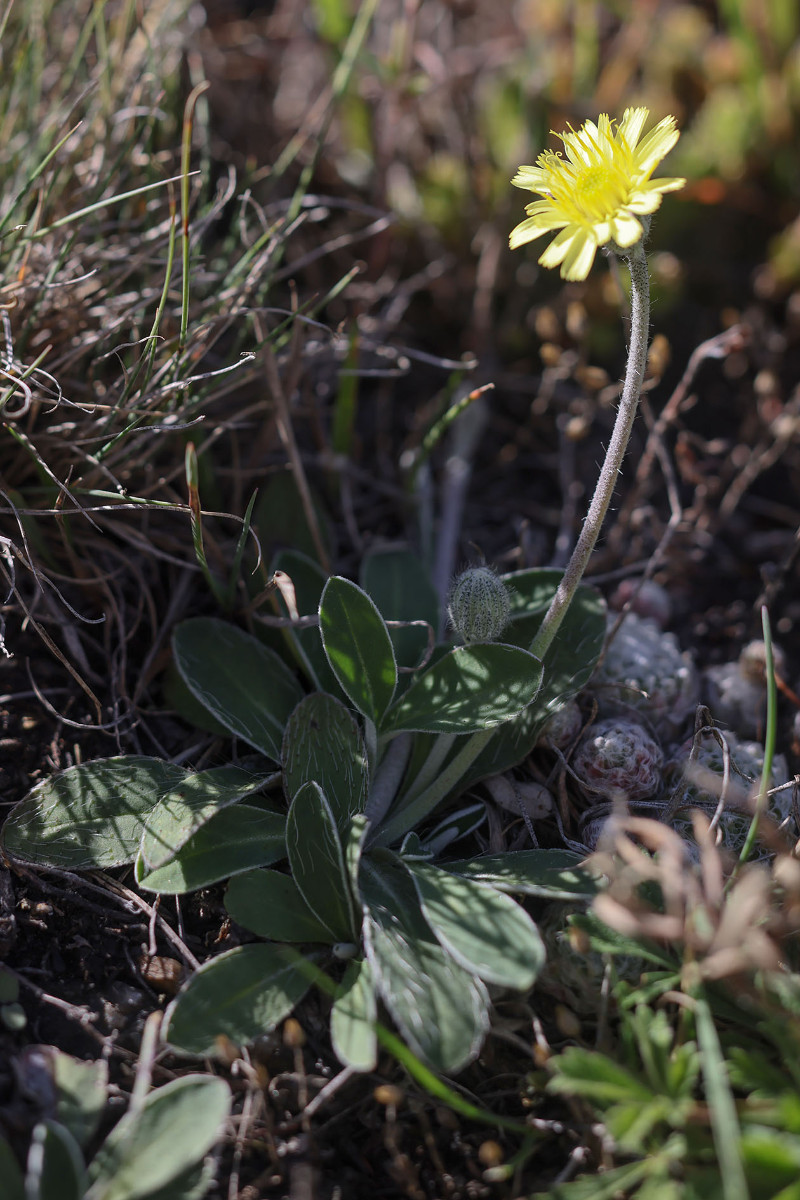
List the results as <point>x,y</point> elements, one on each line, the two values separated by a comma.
<point>317,862</point>
<point>91,815</point>
<point>245,686</point>
<point>609,941</point>
<point>10,1173</point>
<point>55,1165</point>
<point>178,697</point>
<point>552,874</point>
<point>353,1018</point>
<point>305,646</point>
<point>81,1094</point>
<point>438,1089</point>
<point>401,587</point>
<point>353,849</point>
<point>633,1124</point>
<point>233,841</point>
<point>333,20</point>
<point>608,1186</point>
<point>472,688</point>
<point>571,660</point>
<point>456,825</point>
<point>568,664</point>
<point>179,814</point>
<point>771,1158</point>
<point>241,994</point>
<point>281,520</point>
<point>596,1077</point>
<point>721,1105</point>
<point>485,931</point>
<point>751,1069</point>
<point>157,1143</point>
<point>358,646</point>
<point>270,904</point>
<point>530,592</point>
<point>323,744</point>
<point>441,1010</point>
<point>192,1184</point>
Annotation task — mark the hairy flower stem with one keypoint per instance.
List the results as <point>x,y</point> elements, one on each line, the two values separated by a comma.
<point>626,415</point>
<point>426,801</point>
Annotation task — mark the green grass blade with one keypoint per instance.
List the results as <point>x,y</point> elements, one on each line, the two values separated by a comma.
<point>722,1107</point>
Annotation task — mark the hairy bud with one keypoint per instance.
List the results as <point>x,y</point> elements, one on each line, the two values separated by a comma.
<point>480,605</point>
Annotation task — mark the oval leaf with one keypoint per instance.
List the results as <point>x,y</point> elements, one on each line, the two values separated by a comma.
<point>358,646</point>
<point>323,745</point>
<point>568,666</point>
<point>472,688</point>
<point>55,1164</point>
<point>353,1016</point>
<point>317,862</point>
<point>440,1009</point>
<point>531,590</point>
<point>551,874</point>
<point>241,994</point>
<point>484,930</point>
<point>270,904</point>
<point>236,839</point>
<point>400,585</point>
<point>281,520</point>
<point>81,1090</point>
<point>180,813</point>
<point>245,686</point>
<point>152,1145</point>
<point>92,815</point>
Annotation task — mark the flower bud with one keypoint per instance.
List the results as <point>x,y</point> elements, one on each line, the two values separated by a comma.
<point>480,605</point>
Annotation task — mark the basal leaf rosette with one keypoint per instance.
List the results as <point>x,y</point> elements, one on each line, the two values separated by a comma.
<point>597,191</point>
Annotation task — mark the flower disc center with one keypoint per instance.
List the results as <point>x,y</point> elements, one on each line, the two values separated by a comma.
<point>595,192</point>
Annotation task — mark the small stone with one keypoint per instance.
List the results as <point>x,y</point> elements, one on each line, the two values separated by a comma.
<point>490,1154</point>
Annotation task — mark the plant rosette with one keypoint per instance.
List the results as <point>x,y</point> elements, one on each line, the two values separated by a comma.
<point>644,672</point>
<point>699,783</point>
<point>619,759</point>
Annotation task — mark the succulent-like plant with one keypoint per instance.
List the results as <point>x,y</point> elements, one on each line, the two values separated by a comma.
<point>719,776</point>
<point>644,671</point>
<point>619,759</point>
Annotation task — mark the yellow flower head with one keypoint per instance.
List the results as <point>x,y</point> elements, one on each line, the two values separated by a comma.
<point>597,191</point>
